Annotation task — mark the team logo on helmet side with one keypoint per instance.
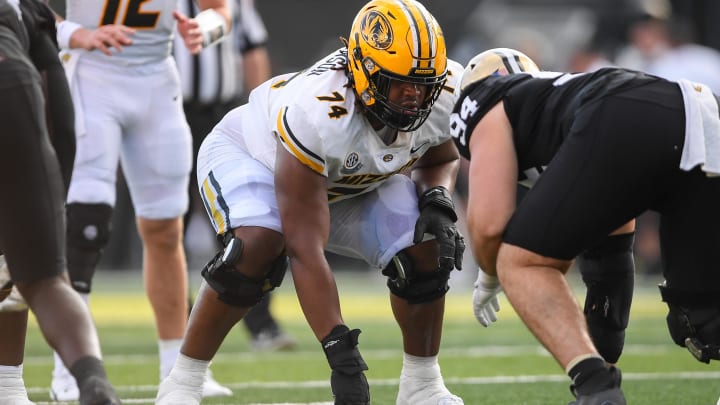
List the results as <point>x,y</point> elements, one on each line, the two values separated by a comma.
<point>501,71</point>
<point>376,30</point>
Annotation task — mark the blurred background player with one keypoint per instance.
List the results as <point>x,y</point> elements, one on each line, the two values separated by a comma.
<point>665,44</point>
<point>212,83</point>
<point>353,156</point>
<point>34,244</point>
<point>128,106</point>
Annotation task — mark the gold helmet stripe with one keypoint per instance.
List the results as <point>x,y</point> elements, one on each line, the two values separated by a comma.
<point>423,39</point>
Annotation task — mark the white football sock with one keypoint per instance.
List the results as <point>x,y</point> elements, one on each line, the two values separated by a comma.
<point>168,349</point>
<point>12,385</point>
<point>420,367</point>
<point>184,384</point>
<point>421,383</point>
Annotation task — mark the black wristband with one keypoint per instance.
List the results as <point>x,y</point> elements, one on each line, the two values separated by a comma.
<point>440,197</point>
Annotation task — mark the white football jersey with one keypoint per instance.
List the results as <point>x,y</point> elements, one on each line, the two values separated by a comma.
<point>152,20</point>
<point>315,115</point>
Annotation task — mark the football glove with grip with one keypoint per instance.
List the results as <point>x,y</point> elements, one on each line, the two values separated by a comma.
<point>437,217</point>
<point>348,382</point>
<point>485,302</point>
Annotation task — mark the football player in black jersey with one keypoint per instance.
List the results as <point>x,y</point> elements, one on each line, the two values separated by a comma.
<point>607,268</point>
<point>612,144</point>
<point>33,172</point>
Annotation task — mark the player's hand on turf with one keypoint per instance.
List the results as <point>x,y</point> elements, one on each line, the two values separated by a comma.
<point>189,30</point>
<point>485,302</point>
<point>103,38</point>
<point>437,217</point>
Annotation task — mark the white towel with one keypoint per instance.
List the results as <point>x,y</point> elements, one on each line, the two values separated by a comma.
<point>702,129</point>
<point>69,59</point>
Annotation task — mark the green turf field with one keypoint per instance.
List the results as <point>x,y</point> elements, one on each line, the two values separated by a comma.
<point>502,364</point>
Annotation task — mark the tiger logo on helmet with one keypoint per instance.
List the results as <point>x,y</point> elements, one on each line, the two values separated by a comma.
<point>376,30</point>
<point>495,62</point>
<point>396,40</point>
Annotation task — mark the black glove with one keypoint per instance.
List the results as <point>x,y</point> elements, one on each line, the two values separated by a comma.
<point>437,217</point>
<point>348,382</point>
<point>694,321</point>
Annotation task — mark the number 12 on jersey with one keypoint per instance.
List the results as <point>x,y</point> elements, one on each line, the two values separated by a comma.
<point>131,13</point>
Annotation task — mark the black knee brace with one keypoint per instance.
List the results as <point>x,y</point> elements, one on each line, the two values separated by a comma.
<point>415,287</point>
<point>235,288</point>
<point>608,272</point>
<point>88,232</point>
<point>694,321</point>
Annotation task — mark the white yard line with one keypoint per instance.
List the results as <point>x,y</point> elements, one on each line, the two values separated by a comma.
<point>465,352</point>
<point>688,375</point>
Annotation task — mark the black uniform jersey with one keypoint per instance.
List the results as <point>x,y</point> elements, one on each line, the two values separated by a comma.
<point>14,40</point>
<point>31,35</point>
<point>541,107</point>
<point>34,96</point>
<point>39,22</point>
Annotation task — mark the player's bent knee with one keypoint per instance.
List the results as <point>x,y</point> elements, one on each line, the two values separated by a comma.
<point>88,232</point>
<point>413,286</point>
<point>609,343</point>
<point>608,273</point>
<point>235,288</point>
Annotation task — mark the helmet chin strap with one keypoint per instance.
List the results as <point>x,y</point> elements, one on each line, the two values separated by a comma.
<point>374,121</point>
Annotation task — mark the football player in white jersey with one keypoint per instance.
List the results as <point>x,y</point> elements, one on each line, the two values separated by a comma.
<point>128,108</point>
<point>353,156</point>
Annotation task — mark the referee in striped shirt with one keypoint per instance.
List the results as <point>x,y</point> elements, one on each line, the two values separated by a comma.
<point>212,83</point>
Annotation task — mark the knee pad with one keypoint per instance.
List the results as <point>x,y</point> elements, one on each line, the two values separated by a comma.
<point>88,232</point>
<point>694,321</point>
<point>413,286</point>
<point>235,288</point>
<point>608,273</point>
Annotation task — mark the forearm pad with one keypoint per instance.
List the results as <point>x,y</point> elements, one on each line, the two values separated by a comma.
<point>348,382</point>
<point>340,348</point>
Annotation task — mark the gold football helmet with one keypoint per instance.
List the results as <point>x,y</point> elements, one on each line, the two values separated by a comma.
<point>396,40</point>
<point>495,62</point>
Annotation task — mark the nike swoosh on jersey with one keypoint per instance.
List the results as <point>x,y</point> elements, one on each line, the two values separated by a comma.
<point>415,149</point>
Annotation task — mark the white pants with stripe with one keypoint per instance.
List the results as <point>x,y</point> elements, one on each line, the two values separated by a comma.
<point>237,190</point>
